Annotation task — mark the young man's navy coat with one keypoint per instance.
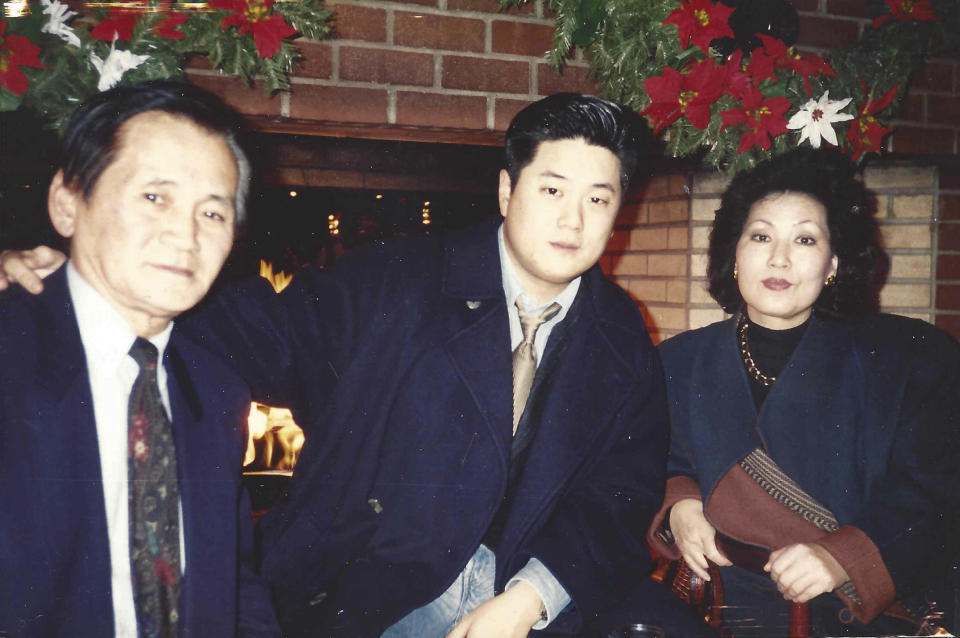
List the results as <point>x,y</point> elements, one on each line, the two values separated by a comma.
<point>54,552</point>
<point>398,366</point>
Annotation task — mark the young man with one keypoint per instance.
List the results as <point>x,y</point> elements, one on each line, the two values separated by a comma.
<point>121,440</point>
<point>484,413</point>
<point>430,497</point>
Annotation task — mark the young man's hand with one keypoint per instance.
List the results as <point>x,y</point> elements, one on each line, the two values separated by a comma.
<point>512,614</point>
<point>29,267</point>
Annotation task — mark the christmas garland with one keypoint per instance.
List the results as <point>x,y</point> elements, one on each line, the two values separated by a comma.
<point>723,81</point>
<point>52,58</point>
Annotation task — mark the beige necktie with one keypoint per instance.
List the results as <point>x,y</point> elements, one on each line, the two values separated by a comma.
<point>525,358</point>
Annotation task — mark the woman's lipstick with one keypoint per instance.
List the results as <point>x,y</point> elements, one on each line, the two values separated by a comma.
<point>776,284</point>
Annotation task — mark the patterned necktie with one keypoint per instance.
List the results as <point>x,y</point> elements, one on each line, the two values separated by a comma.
<point>154,502</point>
<point>525,358</point>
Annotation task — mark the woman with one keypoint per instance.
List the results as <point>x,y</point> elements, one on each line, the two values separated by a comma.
<point>805,430</point>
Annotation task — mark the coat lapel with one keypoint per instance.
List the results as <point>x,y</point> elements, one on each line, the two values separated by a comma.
<point>67,445</point>
<point>569,417</point>
<point>808,419</point>
<point>60,360</point>
<point>721,436</point>
<point>62,435</point>
<point>480,352</point>
<point>197,476</point>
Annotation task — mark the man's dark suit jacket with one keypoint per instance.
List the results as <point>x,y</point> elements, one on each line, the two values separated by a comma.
<point>54,554</point>
<point>398,366</point>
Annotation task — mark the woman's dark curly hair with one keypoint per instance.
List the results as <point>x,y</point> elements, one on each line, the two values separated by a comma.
<point>828,177</point>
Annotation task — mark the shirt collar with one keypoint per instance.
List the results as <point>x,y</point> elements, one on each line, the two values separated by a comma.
<point>104,333</point>
<point>513,288</point>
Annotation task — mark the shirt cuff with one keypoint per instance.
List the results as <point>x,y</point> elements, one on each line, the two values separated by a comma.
<point>552,593</point>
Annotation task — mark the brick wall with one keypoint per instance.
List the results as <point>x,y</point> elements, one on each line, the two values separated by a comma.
<point>458,64</point>
<point>947,243</point>
<point>648,254</point>
<point>462,64</point>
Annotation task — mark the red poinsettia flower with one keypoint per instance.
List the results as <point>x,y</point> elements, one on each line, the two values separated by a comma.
<point>674,95</point>
<point>16,51</point>
<point>118,26</point>
<point>254,16</point>
<point>865,133</point>
<point>738,79</point>
<point>167,28</point>
<point>907,11</point>
<point>700,22</point>
<point>774,54</point>
<point>762,116</point>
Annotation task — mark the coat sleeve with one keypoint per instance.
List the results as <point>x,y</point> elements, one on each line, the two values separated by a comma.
<point>287,347</point>
<point>256,617</point>
<point>681,473</point>
<point>911,515</point>
<point>593,541</point>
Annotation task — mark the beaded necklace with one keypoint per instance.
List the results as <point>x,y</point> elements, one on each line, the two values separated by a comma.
<point>747,357</point>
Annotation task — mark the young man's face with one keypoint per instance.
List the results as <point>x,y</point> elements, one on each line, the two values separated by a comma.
<point>559,215</point>
<point>158,225</point>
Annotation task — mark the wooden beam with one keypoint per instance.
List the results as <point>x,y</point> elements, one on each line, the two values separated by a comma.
<point>390,132</point>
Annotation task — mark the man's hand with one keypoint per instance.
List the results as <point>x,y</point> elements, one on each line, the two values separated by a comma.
<point>695,536</point>
<point>512,614</point>
<point>29,267</point>
<point>803,571</point>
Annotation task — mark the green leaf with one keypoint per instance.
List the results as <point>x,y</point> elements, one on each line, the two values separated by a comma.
<point>590,14</point>
<point>8,101</point>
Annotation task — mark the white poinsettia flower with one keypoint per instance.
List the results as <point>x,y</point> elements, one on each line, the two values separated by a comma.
<point>816,119</point>
<point>59,14</point>
<point>116,64</point>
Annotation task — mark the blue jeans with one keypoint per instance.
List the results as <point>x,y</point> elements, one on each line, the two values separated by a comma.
<point>471,588</point>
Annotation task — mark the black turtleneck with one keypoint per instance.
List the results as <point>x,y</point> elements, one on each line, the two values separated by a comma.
<point>770,349</point>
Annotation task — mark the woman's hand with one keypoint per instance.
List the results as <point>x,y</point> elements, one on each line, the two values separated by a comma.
<point>695,536</point>
<point>28,267</point>
<point>803,571</point>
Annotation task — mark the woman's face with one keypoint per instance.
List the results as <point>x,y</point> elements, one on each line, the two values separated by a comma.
<point>784,259</point>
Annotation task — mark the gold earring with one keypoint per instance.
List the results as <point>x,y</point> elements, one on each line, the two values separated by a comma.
<point>734,272</point>
<point>831,279</point>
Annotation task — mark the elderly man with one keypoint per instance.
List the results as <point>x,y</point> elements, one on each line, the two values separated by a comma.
<point>121,440</point>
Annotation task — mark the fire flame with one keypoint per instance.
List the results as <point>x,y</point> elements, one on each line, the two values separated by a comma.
<point>270,430</point>
<point>278,280</point>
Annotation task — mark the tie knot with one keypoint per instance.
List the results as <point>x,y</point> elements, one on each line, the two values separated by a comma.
<point>529,321</point>
<point>144,353</point>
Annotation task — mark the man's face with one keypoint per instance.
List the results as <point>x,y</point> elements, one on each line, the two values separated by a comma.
<point>559,215</point>
<point>159,223</point>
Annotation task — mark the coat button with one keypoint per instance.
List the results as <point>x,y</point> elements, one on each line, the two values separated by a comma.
<point>473,304</point>
<point>375,505</point>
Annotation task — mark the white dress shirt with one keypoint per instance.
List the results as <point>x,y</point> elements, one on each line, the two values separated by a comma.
<point>107,339</point>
